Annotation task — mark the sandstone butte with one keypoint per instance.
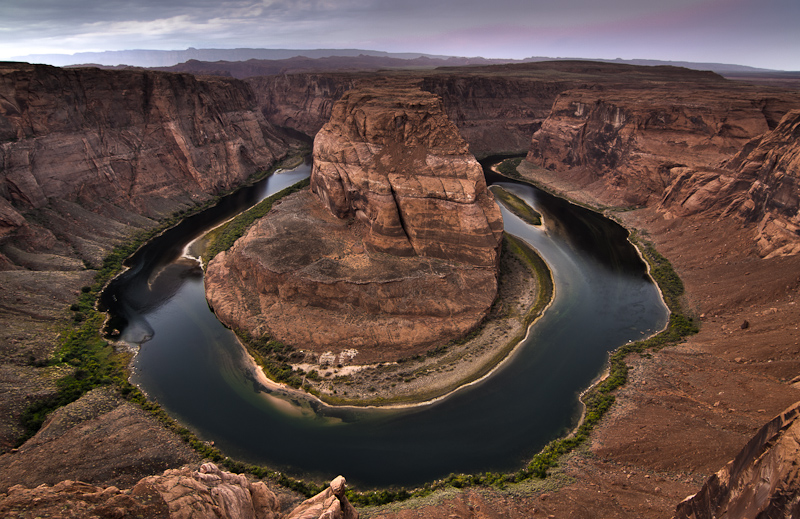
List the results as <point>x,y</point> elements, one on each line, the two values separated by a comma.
<point>393,250</point>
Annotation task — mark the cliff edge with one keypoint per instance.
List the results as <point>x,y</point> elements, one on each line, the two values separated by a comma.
<point>393,252</point>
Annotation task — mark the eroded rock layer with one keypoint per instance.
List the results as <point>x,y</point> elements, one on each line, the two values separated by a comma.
<point>685,148</point>
<point>395,251</point>
<point>78,145</point>
<point>205,493</point>
<point>392,159</point>
<point>760,184</point>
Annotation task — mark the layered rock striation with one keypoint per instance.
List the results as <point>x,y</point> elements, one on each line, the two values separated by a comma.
<point>395,162</point>
<point>761,184</point>
<point>120,145</point>
<point>627,141</point>
<point>717,148</point>
<point>394,251</point>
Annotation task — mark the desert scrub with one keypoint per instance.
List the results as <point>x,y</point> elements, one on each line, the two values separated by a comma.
<point>509,167</point>
<point>517,206</point>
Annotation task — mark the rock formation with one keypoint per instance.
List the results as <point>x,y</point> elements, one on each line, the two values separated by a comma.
<point>396,252</point>
<point>496,108</point>
<point>206,493</point>
<point>331,503</point>
<point>760,184</point>
<point>762,481</point>
<point>628,140</point>
<point>686,148</point>
<point>393,160</point>
<point>87,159</point>
<point>119,144</point>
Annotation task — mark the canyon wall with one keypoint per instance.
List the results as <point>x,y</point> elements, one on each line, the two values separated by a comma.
<point>121,145</point>
<point>628,140</point>
<point>495,109</point>
<point>394,252</point>
<point>717,147</point>
<point>759,185</point>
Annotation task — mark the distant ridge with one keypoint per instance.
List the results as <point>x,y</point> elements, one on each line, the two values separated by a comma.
<point>170,58</point>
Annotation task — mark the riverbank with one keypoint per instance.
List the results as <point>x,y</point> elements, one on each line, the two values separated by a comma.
<point>525,291</point>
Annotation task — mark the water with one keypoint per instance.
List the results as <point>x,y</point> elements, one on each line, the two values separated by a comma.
<point>194,367</point>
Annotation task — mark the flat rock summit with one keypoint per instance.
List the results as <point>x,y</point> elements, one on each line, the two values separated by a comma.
<point>393,250</point>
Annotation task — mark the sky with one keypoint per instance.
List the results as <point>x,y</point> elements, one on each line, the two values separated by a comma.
<point>759,33</point>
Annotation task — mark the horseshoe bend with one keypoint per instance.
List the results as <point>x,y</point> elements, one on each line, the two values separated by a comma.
<point>392,251</point>
<point>703,168</point>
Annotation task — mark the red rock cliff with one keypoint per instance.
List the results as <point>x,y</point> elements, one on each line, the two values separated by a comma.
<point>761,184</point>
<point>121,144</point>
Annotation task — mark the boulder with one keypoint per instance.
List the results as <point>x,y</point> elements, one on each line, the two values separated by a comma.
<point>331,503</point>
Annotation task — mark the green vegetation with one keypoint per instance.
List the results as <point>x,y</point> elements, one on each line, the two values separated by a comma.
<point>223,237</point>
<point>517,206</point>
<point>508,167</point>
<point>272,356</point>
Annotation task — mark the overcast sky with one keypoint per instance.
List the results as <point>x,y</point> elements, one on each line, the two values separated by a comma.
<point>760,33</point>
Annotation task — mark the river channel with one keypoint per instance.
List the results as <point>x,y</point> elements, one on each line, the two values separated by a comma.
<point>194,367</point>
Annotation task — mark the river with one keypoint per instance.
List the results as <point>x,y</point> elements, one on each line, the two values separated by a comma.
<point>195,368</point>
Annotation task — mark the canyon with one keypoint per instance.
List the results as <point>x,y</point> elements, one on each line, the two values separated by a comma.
<point>704,168</point>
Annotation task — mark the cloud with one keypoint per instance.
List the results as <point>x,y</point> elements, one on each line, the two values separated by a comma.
<point>709,30</point>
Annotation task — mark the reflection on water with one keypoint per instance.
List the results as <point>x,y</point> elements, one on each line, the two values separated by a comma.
<point>194,367</point>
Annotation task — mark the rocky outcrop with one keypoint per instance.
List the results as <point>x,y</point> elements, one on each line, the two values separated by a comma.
<point>629,141</point>
<point>331,503</point>
<point>396,252</point>
<point>714,147</point>
<point>761,184</point>
<point>762,481</point>
<point>393,160</point>
<point>206,493</point>
<point>121,145</point>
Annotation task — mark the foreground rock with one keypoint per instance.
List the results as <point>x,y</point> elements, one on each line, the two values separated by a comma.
<point>396,251</point>
<point>98,439</point>
<point>762,481</point>
<point>206,493</point>
<point>331,503</point>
